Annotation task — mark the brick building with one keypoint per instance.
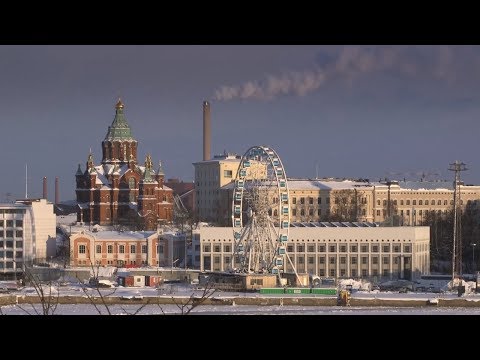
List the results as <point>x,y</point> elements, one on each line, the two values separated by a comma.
<point>114,248</point>
<point>119,191</point>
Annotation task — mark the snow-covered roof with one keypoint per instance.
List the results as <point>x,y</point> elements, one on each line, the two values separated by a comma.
<point>126,235</point>
<point>306,184</point>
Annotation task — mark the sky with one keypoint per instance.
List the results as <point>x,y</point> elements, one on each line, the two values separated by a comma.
<point>333,111</point>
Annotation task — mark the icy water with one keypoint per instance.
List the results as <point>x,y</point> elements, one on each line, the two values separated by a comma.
<point>71,309</point>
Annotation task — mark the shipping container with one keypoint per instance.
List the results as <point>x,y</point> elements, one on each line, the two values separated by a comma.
<point>129,281</point>
<point>324,291</point>
<point>272,291</point>
<point>139,281</point>
<point>293,291</point>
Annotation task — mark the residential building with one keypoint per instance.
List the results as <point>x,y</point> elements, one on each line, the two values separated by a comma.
<point>27,234</point>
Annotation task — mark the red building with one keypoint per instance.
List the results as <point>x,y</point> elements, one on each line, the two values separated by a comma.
<point>119,191</point>
<point>186,192</point>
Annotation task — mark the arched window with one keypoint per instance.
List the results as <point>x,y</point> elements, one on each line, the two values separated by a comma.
<point>131,183</point>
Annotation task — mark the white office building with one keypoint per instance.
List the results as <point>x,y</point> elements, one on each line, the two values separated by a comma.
<point>27,230</point>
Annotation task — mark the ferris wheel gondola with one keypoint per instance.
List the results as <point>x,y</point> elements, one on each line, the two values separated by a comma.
<point>261,214</point>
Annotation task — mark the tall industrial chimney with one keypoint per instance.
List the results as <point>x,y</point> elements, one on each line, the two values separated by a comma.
<point>57,191</point>
<point>206,131</point>
<point>44,188</point>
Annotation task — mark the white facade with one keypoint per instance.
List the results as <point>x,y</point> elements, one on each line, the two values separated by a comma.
<point>27,228</point>
<point>210,176</point>
<point>337,252</point>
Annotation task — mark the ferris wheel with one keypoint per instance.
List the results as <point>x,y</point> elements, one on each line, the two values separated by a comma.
<point>260,213</point>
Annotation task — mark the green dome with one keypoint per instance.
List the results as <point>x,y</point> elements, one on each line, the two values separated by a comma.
<point>119,130</point>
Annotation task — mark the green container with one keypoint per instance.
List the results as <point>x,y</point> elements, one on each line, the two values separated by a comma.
<point>272,291</point>
<point>297,291</point>
<point>324,291</point>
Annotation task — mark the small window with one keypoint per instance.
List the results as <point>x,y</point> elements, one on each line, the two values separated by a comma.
<point>110,249</point>
<point>121,249</point>
<point>98,249</point>
<point>144,249</point>
<point>300,248</point>
<point>82,249</point>
<point>133,249</point>
<point>216,248</point>
<point>19,233</point>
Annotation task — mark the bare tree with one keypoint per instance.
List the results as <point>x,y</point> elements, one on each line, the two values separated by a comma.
<point>347,205</point>
<point>194,301</point>
<point>46,292</point>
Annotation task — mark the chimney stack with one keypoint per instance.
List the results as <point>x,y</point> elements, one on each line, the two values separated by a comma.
<point>44,188</point>
<point>206,130</point>
<point>57,191</point>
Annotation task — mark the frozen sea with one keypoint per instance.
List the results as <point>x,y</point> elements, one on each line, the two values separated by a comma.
<point>86,309</point>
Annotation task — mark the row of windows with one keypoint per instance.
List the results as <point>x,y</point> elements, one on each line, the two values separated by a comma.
<point>323,248</point>
<point>9,254</point>
<point>12,211</point>
<point>10,223</point>
<point>216,248</point>
<point>310,200</point>
<point>420,202</point>
<point>9,244</point>
<point>9,234</point>
<point>353,248</point>
<point>82,249</point>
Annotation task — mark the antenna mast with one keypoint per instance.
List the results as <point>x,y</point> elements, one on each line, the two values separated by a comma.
<point>26,181</point>
<point>457,167</point>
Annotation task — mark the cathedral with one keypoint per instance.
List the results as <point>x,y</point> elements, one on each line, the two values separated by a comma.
<point>119,191</point>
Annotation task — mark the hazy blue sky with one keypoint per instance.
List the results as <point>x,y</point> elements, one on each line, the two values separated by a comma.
<point>353,111</point>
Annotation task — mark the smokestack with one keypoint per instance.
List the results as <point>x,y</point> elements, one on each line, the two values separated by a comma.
<point>44,188</point>
<point>206,130</point>
<point>57,191</point>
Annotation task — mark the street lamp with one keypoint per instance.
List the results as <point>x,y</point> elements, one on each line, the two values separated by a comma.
<point>473,256</point>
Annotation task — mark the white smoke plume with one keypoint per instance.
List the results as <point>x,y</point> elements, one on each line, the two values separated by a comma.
<point>347,64</point>
<point>296,83</point>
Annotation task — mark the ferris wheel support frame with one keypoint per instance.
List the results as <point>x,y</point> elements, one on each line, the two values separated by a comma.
<point>281,226</point>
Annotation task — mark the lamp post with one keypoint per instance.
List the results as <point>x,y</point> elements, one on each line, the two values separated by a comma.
<point>473,256</point>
